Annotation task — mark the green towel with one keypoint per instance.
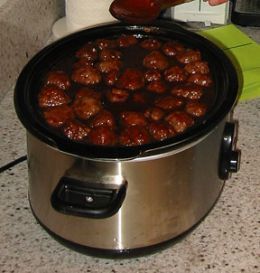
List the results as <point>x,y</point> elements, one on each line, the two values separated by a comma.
<point>245,54</point>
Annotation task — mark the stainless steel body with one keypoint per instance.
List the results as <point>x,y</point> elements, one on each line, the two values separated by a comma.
<point>165,195</point>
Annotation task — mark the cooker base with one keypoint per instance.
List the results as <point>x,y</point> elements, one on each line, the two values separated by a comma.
<point>123,253</point>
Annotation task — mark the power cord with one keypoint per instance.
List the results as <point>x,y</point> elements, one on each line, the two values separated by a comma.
<point>13,163</point>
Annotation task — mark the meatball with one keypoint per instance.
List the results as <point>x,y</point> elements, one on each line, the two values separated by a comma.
<point>109,54</point>
<point>86,107</point>
<point>134,135</point>
<point>105,43</point>
<point>180,121</point>
<point>152,75</point>
<point>154,113</point>
<point>75,130</point>
<point>160,131</point>
<point>131,79</point>
<point>200,79</point>
<point>126,40</point>
<point>87,92</point>
<point>172,48</point>
<point>58,116</point>
<point>108,66</point>
<point>130,118</point>
<point>155,60</point>
<point>188,56</point>
<point>139,98</point>
<point>169,103</point>
<point>158,87</point>
<point>196,109</point>
<point>86,75</point>
<point>111,77</point>
<point>197,67</point>
<point>59,79</point>
<point>88,52</point>
<point>102,135</point>
<point>82,63</point>
<point>103,118</point>
<point>150,44</point>
<point>52,96</point>
<point>192,92</point>
<point>117,95</point>
<point>175,74</point>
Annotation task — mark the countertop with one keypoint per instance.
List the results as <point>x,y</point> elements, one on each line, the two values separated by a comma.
<point>226,241</point>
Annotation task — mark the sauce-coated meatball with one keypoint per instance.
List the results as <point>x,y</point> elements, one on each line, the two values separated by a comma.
<point>109,54</point>
<point>58,116</point>
<point>152,75</point>
<point>87,92</point>
<point>86,75</point>
<point>139,98</point>
<point>133,119</point>
<point>197,67</point>
<point>59,79</point>
<point>169,103</point>
<point>172,48</point>
<point>88,52</point>
<point>154,114</point>
<point>175,74</point>
<point>188,56</point>
<point>108,66</point>
<point>111,77</point>
<point>200,79</point>
<point>105,43</point>
<point>134,135</point>
<point>196,109</point>
<point>102,135</point>
<point>157,87</point>
<point>82,63</point>
<point>150,44</point>
<point>117,95</point>
<point>155,60</point>
<point>131,79</point>
<point>104,118</point>
<point>86,107</point>
<point>126,40</point>
<point>52,96</point>
<point>75,130</point>
<point>161,131</point>
<point>192,92</point>
<point>180,121</point>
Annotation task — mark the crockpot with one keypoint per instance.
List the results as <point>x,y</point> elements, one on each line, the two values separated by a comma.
<point>128,200</point>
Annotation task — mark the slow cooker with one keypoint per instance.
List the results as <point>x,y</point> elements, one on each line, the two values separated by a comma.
<point>128,200</point>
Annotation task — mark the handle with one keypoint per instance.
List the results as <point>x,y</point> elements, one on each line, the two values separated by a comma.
<point>229,161</point>
<point>86,199</point>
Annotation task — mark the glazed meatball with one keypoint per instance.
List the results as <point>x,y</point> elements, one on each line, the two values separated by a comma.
<point>154,113</point>
<point>188,56</point>
<point>50,96</point>
<point>152,75</point>
<point>172,48</point>
<point>134,135</point>
<point>105,43</point>
<point>150,44</point>
<point>131,79</point>
<point>180,121</point>
<point>103,118</point>
<point>197,67</point>
<point>86,107</point>
<point>87,92</point>
<point>117,95</point>
<point>88,52</point>
<point>59,79</point>
<point>126,40</point>
<point>109,54</point>
<point>75,130</point>
<point>58,116</point>
<point>108,66</point>
<point>139,98</point>
<point>129,118</point>
<point>160,131</point>
<point>192,92</point>
<point>111,77</point>
<point>82,63</point>
<point>200,79</point>
<point>155,60</point>
<point>175,74</point>
<point>196,109</point>
<point>102,135</point>
<point>86,75</point>
<point>157,87</point>
<point>169,103</point>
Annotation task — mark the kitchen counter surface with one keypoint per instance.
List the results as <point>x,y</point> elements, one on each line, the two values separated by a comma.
<point>227,240</point>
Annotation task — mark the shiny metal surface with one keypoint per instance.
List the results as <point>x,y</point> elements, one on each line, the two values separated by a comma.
<point>165,196</point>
